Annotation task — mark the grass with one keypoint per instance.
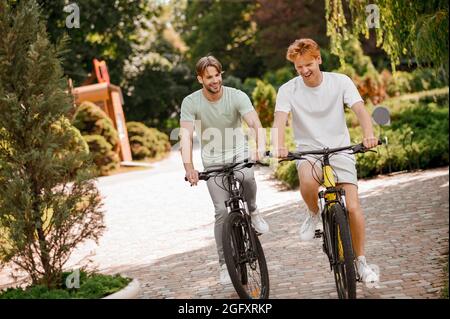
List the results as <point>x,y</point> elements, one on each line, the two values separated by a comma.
<point>91,286</point>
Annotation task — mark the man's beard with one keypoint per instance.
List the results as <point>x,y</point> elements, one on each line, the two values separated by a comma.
<point>212,91</point>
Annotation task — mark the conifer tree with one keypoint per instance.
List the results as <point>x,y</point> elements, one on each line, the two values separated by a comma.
<point>48,201</point>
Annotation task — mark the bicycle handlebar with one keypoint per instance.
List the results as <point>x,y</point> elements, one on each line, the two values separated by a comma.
<point>226,168</point>
<point>357,148</point>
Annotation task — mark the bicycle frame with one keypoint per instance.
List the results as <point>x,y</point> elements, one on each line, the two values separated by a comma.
<point>331,196</point>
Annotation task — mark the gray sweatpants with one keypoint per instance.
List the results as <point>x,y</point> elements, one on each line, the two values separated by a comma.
<point>219,196</point>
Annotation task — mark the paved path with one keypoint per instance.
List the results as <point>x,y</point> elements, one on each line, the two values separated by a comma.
<point>160,231</point>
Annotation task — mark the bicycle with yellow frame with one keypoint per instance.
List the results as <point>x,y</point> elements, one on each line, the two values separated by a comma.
<point>337,239</point>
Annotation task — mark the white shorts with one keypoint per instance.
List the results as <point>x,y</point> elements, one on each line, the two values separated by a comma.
<point>344,167</point>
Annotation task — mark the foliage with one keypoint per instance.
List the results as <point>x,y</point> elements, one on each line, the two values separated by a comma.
<point>75,143</point>
<point>101,136</point>
<point>142,49</point>
<point>408,30</point>
<point>279,23</point>
<point>287,172</point>
<point>360,68</point>
<point>147,142</point>
<point>249,85</point>
<point>264,97</point>
<point>106,31</point>
<point>50,204</point>
<point>233,82</point>
<point>103,155</point>
<point>92,286</point>
<point>92,120</point>
<point>418,80</point>
<point>279,77</point>
<point>154,95</point>
<point>225,30</point>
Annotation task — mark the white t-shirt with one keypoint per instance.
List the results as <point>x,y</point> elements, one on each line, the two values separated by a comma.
<point>318,117</point>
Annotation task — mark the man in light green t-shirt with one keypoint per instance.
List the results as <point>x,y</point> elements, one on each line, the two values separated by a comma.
<point>216,111</point>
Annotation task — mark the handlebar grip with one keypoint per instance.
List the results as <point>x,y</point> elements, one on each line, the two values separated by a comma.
<point>200,177</point>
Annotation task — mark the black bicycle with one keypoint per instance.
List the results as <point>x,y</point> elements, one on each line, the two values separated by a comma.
<point>242,249</point>
<point>337,239</point>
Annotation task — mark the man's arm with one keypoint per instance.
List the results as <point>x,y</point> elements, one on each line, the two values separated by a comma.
<point>186,134</point>
<point>278,138</point>
<point>365,120</point>
<point>257,132</point>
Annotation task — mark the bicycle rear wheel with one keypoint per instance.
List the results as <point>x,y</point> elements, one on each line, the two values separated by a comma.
<point>246,263</point>
<point>344,268</point>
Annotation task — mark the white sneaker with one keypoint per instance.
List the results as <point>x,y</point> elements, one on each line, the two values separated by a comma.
<point>308,228</point>
<point>224,275</point>
<point>259,223</point>
<point>365,272</point>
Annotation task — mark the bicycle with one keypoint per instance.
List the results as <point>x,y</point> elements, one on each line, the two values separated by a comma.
<point>337,240</point>
<point>242,249</point>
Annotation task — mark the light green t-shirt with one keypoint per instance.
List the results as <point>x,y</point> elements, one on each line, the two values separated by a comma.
<point>218,124</point>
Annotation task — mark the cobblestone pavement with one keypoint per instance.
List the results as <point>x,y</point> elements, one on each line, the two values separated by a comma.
<point>160,231</point>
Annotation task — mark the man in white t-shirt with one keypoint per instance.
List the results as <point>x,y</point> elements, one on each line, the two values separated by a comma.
<point>316,101</point>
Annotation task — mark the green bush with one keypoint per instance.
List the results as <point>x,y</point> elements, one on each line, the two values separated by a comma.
<point>92,286</point>
<point>92,120</point>
<point>249,85</point>
<point>104,157</point>
<point>145,142</point>
<point>417,138</point>
<point>264,97</point>
<point>399,83</point>
<point>439,96</point>
<point>360,69</point>
<point>287,172</point>
<point>421,79</point>
<point>279,77</point>
<point>233,82</point>
<point>101,136</point>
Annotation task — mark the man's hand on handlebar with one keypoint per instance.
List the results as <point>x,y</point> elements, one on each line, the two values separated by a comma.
<point>370,142</point>
<point>281,152</point>
<point>192,177</point>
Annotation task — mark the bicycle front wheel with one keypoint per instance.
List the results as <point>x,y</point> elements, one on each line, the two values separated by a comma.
<point>246,262</point>
<point>344,268</point>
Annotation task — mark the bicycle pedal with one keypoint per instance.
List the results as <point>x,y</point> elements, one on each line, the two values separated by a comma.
<point>318,233</point>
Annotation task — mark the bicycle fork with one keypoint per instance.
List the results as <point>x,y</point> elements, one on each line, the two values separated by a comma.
<point>238,204</point>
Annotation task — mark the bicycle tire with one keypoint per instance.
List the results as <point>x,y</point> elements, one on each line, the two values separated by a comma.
<point>343,268</point>
<point>247,281</point>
